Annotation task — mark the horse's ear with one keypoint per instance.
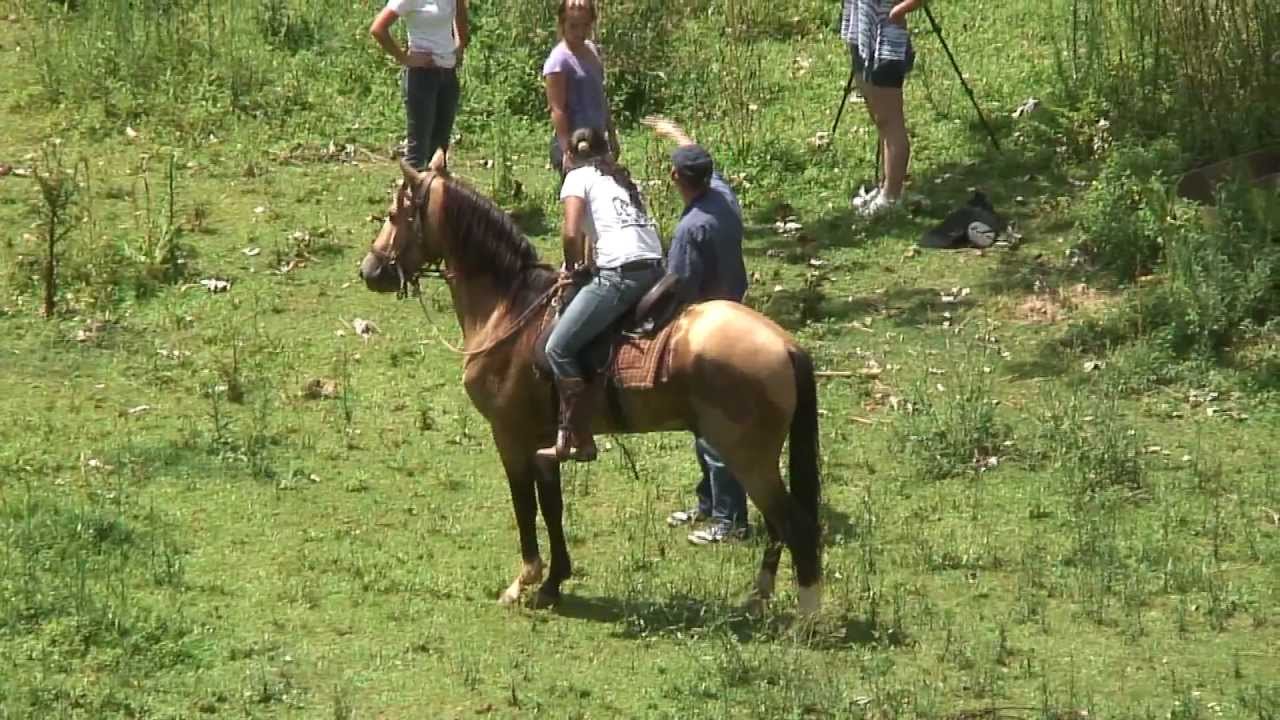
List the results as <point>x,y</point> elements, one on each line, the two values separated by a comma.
<point>412,176</point>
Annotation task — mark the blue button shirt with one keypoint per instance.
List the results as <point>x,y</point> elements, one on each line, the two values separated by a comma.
<point>706,250</point>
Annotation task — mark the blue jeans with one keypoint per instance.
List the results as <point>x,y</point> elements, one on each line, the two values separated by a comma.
<point>596,306</point>
<point>430,104</point>
<point>720,495</point>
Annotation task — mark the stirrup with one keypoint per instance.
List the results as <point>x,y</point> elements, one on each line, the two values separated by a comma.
<point>559,450</point>
<point>564,449</point>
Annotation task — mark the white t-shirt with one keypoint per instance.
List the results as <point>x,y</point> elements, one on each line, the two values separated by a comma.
<point>620,231</point>
<point>430,24</point>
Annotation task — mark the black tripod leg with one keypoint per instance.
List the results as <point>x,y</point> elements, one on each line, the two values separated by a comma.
<point>937,30</point>
<point>844,98</point>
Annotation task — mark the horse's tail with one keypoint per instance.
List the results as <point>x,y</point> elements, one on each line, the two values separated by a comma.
<point>804,452</point>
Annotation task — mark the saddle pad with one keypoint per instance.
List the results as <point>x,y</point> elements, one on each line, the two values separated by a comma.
<point>640,363</point>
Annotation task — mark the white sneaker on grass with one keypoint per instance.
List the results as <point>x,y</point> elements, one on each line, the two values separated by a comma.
<point>864,196</point>
<point>879,206</point>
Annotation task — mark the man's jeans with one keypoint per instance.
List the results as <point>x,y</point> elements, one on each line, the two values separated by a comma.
<point>720,495</point>
<point>596,306</point>
<point>430,104</point>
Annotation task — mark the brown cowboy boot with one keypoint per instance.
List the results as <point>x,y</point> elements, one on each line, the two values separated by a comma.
<point>574,440</point>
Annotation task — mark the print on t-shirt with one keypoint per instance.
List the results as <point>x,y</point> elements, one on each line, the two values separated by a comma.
<point>628,214</point>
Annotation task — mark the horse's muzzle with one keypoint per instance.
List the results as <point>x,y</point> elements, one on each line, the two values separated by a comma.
<point>379,276</point>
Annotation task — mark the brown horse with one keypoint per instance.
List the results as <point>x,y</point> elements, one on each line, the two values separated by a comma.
<point>735,377</point>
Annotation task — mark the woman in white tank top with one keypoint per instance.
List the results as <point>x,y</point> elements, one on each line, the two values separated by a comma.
<point>438,33</point>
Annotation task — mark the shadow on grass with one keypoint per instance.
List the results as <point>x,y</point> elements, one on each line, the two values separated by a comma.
<point>902,305</point>
<point>682,615</point>
<point>1051,360</point>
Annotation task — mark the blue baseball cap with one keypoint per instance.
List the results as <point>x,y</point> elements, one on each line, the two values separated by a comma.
<point>693,162</point>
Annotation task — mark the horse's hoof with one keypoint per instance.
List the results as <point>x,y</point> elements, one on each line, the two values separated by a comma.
<point>544,599</point>
<point>809,600</point>
<point>755,606</point>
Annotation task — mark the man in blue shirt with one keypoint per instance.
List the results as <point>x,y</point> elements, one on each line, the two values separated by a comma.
<point>706,252</point>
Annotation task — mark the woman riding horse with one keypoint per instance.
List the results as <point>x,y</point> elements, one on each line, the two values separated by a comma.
<point>608,231</point>
<point>734,377</point>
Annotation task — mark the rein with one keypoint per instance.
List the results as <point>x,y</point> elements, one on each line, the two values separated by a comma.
<point>408,283</point>
<point>543,299</point>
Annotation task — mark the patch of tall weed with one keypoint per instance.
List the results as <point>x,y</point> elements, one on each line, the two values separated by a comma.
<point>951,425</point>
<point>194,67</point>
<point>1089,444</point>
<point>1223,277</point>
<point>1215,280</point>
<point>82,581</point>
<point>1197,69</point>
<point>1121,219</point>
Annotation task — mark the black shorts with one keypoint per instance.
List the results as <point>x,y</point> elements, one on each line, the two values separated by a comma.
<point>886,73</point>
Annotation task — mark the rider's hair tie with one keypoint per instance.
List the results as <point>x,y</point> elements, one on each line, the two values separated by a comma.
<point>583,146</point>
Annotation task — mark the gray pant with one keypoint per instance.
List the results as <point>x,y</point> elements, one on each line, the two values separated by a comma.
<point>430,104</point>
<point>596,306</point>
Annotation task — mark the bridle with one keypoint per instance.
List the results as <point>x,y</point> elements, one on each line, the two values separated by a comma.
<point>417,221</point>
<point>409,282</point>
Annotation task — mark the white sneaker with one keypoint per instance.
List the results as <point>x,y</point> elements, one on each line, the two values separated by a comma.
<point>865,196</point>
<point>879,205</point>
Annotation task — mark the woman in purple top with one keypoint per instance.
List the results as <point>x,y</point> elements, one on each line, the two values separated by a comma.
<point>574,76</point>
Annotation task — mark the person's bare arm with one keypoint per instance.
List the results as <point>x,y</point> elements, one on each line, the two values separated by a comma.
<point>381,31</point>
<point>664,127</point>
<point>899,12</point>
<point>558,99</point>
<point>573,234</point>
<point>461,31</point>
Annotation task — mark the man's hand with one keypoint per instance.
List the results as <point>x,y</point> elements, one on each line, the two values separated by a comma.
<point>667,129</point>
<point>899,12</point>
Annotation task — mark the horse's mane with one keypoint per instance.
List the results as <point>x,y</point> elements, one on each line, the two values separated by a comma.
<point>487,241</point>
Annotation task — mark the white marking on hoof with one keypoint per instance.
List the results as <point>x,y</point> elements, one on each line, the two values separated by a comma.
<point>810,599</point>
<point>511,595</point>
<point>530,574</point>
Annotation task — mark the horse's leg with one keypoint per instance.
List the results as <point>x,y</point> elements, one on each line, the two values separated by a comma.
<point>752,456</point>
<point>522,476</point>
<point>788,524</point>
<point>749,429</point>
<point>766,578</point>
<point>551,499</point>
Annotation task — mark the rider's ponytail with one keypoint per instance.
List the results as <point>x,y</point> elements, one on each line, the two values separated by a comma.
<point>589,146</point>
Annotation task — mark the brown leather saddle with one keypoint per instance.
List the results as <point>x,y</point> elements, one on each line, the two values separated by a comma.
<point>658,307</point>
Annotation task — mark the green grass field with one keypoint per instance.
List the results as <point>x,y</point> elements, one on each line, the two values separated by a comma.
<point>232,505</point>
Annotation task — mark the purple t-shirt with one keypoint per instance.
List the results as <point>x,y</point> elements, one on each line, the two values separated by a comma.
<point>587,105</point>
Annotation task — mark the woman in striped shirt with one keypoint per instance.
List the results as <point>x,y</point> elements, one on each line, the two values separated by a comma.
<point>876,32</point>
